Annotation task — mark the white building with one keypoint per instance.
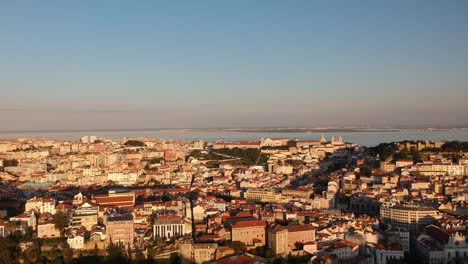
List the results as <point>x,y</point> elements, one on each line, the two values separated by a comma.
<point>76,240</point>
<point>41,205</point>
<point>437,246</point>
<point>169,226</point>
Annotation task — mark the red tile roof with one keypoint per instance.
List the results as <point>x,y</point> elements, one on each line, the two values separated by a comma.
<point>251,223</point>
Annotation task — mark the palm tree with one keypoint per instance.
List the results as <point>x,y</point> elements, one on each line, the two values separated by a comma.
<point>61,221</point>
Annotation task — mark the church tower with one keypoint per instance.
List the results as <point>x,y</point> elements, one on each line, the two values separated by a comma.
<point>323,140</point>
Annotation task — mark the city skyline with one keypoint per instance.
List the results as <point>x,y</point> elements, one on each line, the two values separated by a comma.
<point>108,65</point>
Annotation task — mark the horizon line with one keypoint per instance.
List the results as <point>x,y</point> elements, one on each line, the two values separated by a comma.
<point>242,129</point>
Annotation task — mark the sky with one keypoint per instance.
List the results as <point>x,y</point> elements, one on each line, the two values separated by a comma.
<point>79,65</point>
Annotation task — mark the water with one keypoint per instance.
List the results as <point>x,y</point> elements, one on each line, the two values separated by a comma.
<point>360,138</point>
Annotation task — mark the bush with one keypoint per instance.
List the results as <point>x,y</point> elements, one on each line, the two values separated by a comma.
<point>135,143</point>
<point>10,163</point>
<point>264,252</point>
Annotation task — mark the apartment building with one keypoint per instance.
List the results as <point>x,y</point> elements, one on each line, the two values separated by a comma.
<point>283,239</point>
<point>251,233</point>
<point>408,217</point>
<point>119,229</point>
<point>269,196</point>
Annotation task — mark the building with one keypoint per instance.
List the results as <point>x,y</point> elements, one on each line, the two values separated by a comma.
<point>251,232</point>
<point>76,241</point>
<point>269,196</point>
<point>274,142</point>
<point>2,228</point>
<point>408,217</point>
<point>297,193</point>
<point>403,163</point>
<point>46,227</point>
<point>76,238</point>
<point>388,253</point>
<point>236,144</point>
<point>399,235</point>
<point>197,253</point>
<point>284,239</point>
<point>119,229</point>
<point>40,205</point>
<point>304,143</point>
<point>169,226</point>
<point>441,246</point>
<point>86,215</point>
<point>113,198</point>
<point>28,219</point>
<point>343,249</point>
<point>364,205</point>
<point>423,144</point>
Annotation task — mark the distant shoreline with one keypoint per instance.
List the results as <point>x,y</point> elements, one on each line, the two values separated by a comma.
<point>250,130</point>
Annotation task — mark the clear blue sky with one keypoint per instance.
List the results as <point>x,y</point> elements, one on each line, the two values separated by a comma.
<point>155,64</point>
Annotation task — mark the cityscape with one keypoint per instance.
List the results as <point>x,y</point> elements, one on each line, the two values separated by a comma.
<point>234,132</point>
<point>273,200</point>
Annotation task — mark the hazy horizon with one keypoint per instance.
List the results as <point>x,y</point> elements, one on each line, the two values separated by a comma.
<point>104,65</point>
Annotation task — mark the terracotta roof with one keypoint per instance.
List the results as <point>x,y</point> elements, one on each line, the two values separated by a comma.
<point>236,259</point>
<point>300,228</point>
<point>251,223</point>
<point>437,233</point>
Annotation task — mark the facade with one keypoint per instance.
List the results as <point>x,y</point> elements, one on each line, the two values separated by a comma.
<point>40,205</point>
<point>29,219</point>
<point>2,228</point>
<point>441,246</point>
<point>283,239</point>
<point>262,196</point>
<point>408,217</point>
<point>197,253</point>
<point>85,215</point>
<point>343,249</point>
<point>299,193</point>
<point>119,229</point>
<point>125,178</point>
<point>252,232</point>
<point>76,242</point>
<point>364,205</point>
<point>387,255</point>
<point>169,226</point>
<point>274,142</point>
<point>236,144</point>
<point>47,229</point>
<point>304,143</point>
<point>399,235</point>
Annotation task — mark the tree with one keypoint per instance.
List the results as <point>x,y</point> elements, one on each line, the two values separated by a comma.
<point>364,170</point>
<point>32,255</point>
<point>9,251</point>
<point>67,253</point>
<point>135,143</point>
<point>139,257</point>
<point>115,255</point>
<point>11,226</point>
<point>129,252</point>
<point>28,232</point>
<point>174,258</point>
<point>237,246</point>
<point>10,163</point>
<point>299,245</point>
<point>95,250</point>
<point>263,251</point>
<point>166,197</point>
<point>60,221</point>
